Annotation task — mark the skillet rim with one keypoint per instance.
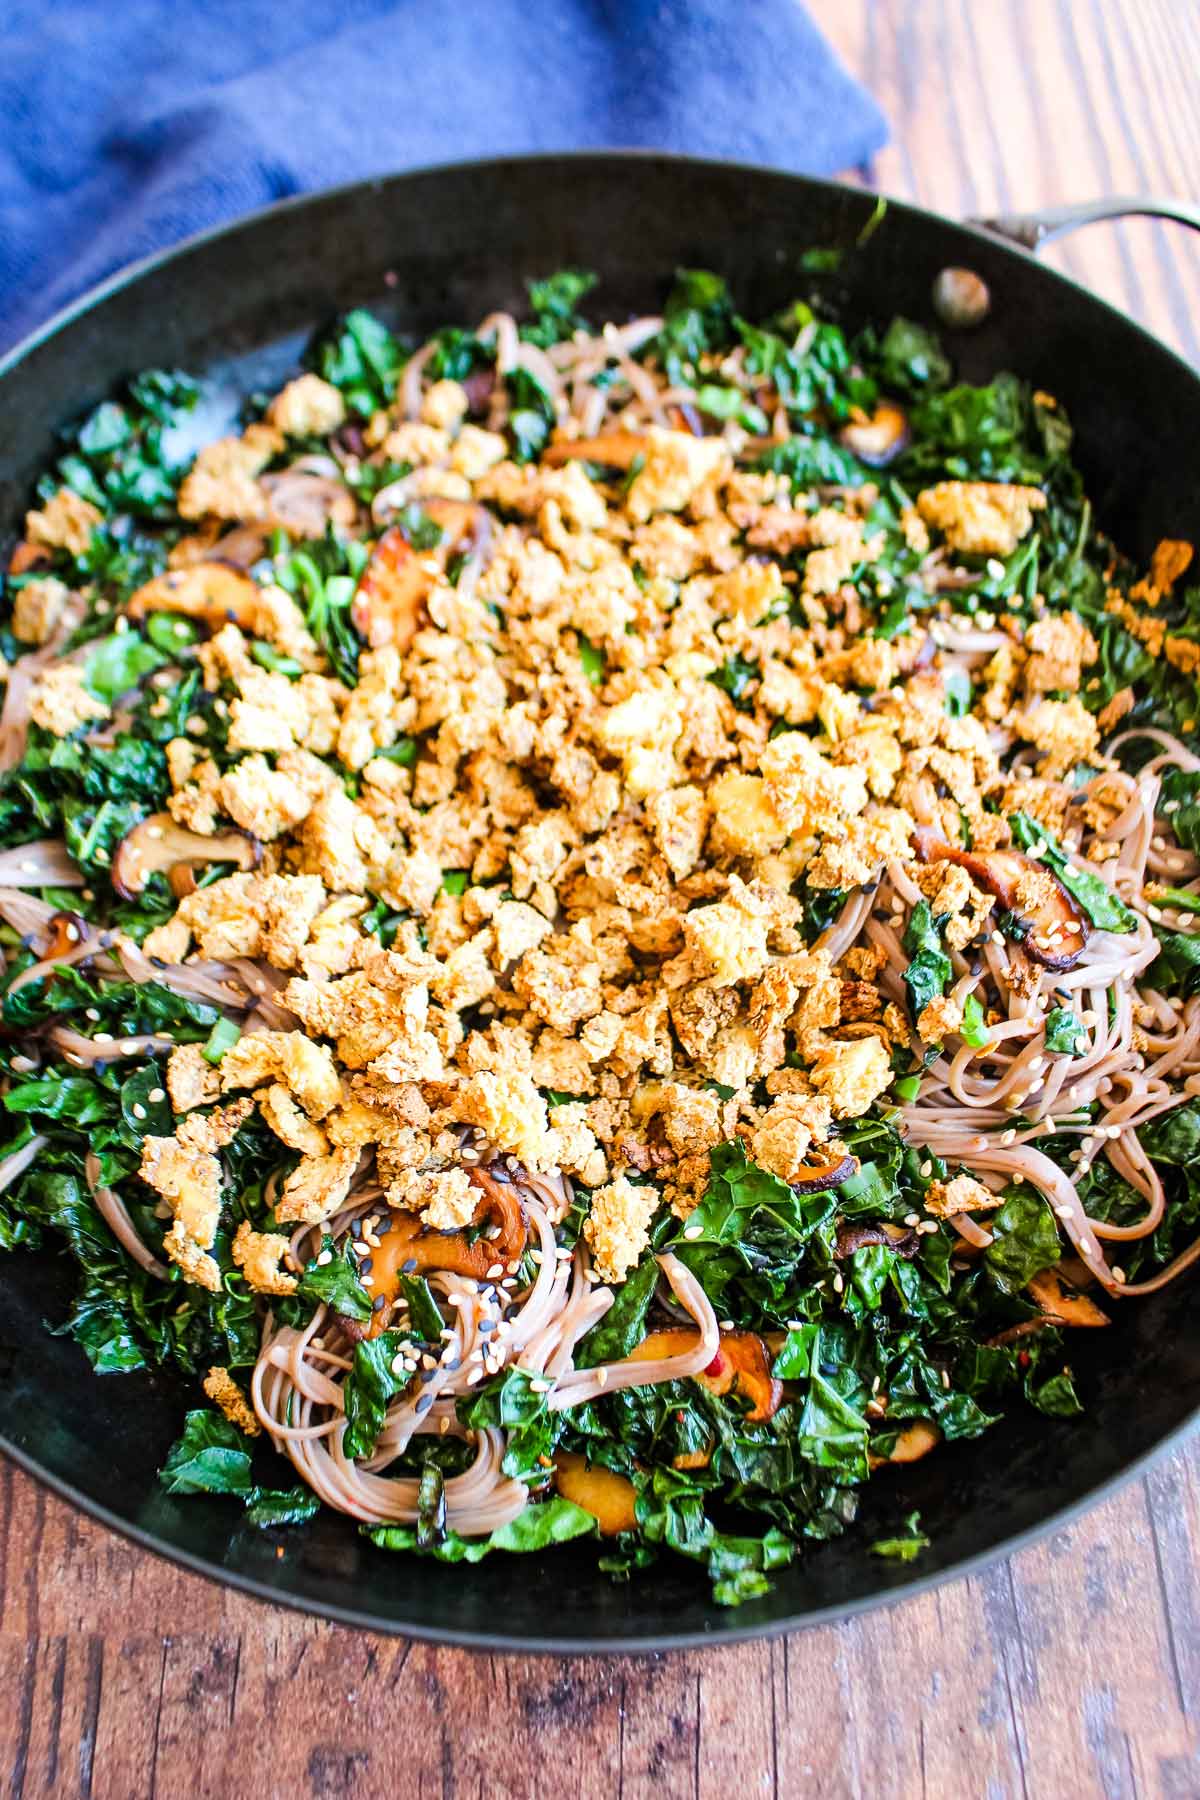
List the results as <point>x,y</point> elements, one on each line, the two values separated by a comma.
<point>721,1633</point>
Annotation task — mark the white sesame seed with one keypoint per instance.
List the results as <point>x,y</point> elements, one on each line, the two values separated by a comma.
<point>912,1219</point>
<point>693,1231</point>
<point>926,1168</point>
<point>325,1257</point>
<point>838,1283</point>
<point>138,1110</point>
<point>495,1272</point>
<point>155,1096</point>
<point>601,1377</point>
<point>1119,1274</point>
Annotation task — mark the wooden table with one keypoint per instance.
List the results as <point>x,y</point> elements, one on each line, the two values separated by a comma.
<point>1071,1670</point>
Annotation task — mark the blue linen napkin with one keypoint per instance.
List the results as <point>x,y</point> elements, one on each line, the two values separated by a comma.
<point>128,124</point>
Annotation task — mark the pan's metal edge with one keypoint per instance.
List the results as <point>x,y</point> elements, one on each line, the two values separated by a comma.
<point>566,1645</point>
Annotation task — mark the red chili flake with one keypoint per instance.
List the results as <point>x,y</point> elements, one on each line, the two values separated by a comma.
<point>1023,1358</point>
<point>717,1365</point>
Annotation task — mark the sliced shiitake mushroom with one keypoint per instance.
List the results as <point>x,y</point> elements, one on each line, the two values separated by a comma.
<point>914,1442</point>
<point>215,592</point>
<point>67,931</point>
<point>1060,1307</point>
<point>609,1497</point>
<point>815,1179</point>
<point>741,1362</point>
<point>393,587</point>
<point>852,1237</point>
<point>615,449</point>
<point>878,438</point>
<point>1058,929</point>
<point>161,845</point>
<point>409,1247</point>
<point>26,556</point>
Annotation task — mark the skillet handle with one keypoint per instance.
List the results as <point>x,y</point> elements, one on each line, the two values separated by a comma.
<point>1032,230</point>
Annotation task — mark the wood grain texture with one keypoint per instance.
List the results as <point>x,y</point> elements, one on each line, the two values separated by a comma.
<point>1071,1670</point>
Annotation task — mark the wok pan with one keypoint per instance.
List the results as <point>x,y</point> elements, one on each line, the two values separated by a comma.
<point>451,244</point>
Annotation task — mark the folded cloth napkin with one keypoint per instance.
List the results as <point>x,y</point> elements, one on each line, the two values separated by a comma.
<point>129,125</point>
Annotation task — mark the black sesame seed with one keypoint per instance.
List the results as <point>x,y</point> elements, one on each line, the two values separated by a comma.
<point>424,1403</point>
<point>364,1267</point>
<point>356,1228</point>
<point>486,1325</point>
<point>455,1364</point>
<point>408,1267</point>
<point>379,1302</point>
<point>158,962</point>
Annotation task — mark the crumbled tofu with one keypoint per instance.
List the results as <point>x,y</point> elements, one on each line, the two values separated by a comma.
<point>961,1195</point>
<point>65,522</point>
<point>305,1069</point>
<point>38,606</point>
<point>1061,646</point>
<point>259,1254</point>
<point>1063,730</point>
<point>980,518</point>
<point>221,482</point>
<point>942,1016</point>
<point>307,407</point>
<point>510,1112</point>
<point>444,405</point>
<point>730,940</point>
<point>59,701</point>
<point>618,1226</point>
<point>191,1079</point>
<point>851,1074</point>
<point>262,800</point>
<point>446,1199</point>
<point>224,1391</point>
<point>676,466</point>
<point>317,1186</point>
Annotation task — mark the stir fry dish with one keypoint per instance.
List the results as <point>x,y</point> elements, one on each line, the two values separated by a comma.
<point>599,924</point>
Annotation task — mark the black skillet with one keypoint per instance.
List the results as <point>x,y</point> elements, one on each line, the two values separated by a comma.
<point>451,244</point>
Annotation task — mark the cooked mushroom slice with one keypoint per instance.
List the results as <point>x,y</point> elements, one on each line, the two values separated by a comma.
<point>961,298</point>
<point>607,1496</point>
<point>160,845</point>
<point>741,1362</point>
<point>825,1175</point>
<point>856,1237</point>
<point>879,438</point>
<point>67,932</point>
<point>393,587</point>
<point>26,556</point>
<point>1060,1307</point>
<point>1058,929</point>
<point>213,591</point>
<point>914,1442</point>
<point>615,449</point>
<point>304,503</point>
<point>408,1247</point>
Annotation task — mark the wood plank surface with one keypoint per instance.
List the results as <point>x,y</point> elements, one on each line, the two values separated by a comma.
<point>1070,1670</point>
